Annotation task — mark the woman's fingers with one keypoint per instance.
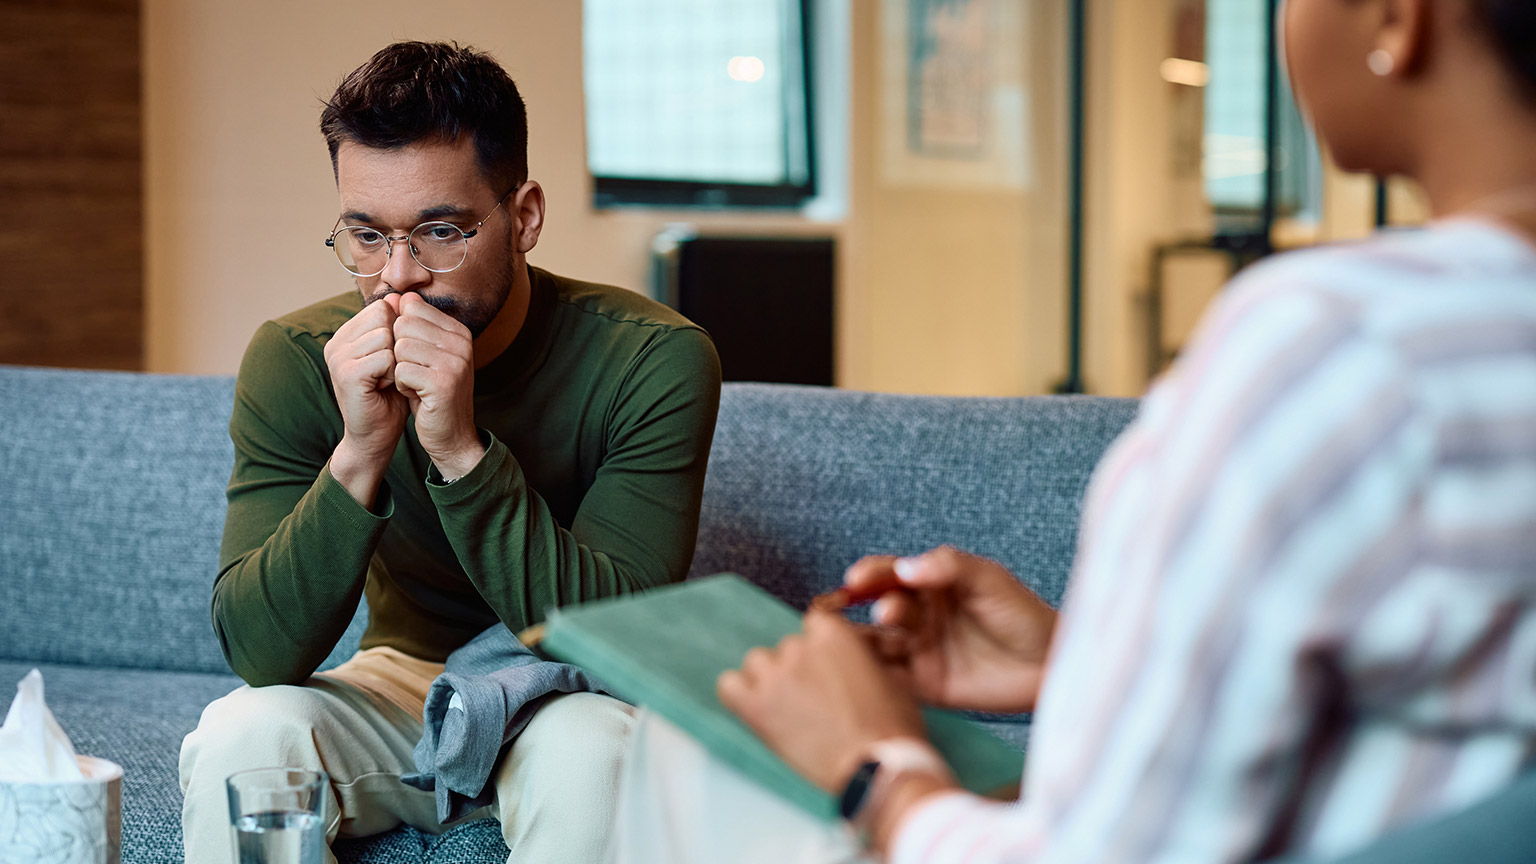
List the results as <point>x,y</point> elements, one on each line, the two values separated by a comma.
<point>898,609</point>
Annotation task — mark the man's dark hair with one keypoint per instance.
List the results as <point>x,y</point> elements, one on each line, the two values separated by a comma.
<point>1512,26</point>
<point>418,91</point>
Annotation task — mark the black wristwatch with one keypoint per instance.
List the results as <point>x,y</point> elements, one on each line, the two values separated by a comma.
<point>884,762</point>
<point>856,793</point>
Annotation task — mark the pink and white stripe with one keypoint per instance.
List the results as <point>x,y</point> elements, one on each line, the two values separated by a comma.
<point>1304,607</point>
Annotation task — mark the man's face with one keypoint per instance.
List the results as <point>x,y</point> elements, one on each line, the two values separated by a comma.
<point>395,190</point>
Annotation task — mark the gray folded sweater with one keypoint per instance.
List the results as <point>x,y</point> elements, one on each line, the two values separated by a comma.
<point>487,693</point>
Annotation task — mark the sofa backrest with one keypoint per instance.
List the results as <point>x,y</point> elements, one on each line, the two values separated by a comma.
<point>111,509</point>
<point>804,481</point>
<point>112,499</point>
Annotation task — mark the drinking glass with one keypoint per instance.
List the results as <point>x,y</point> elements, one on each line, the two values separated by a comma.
<point>278,815</point>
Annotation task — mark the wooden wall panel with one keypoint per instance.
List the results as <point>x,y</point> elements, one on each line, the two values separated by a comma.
<point>71,235</point>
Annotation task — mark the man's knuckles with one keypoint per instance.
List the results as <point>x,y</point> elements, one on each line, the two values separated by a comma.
<point>456,341</point>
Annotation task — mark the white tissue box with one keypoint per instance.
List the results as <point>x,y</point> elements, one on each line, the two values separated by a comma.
<point>64,823</point>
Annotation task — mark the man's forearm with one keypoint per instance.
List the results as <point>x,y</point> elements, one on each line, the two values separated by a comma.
<point>524,562</point>
<point>461,462</point>
<point>286,594</point>
<point>361,475</point>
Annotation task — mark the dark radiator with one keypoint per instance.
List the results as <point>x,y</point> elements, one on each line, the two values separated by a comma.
<point>768,303</point>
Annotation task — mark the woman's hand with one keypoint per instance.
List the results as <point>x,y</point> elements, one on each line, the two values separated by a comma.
<point>820,699</point>
<point>963,633</point>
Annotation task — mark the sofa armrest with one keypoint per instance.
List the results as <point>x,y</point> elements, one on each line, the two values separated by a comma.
<point>1498,830</point>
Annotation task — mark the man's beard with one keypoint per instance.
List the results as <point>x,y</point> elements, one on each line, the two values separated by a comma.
<point>477,312</point>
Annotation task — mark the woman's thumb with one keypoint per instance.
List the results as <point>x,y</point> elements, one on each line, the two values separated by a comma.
<point>932,570</point>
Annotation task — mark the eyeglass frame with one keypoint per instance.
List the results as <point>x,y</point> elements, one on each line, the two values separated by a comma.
<point>389,242</point>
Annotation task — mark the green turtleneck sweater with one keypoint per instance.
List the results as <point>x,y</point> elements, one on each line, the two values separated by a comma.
<point>597,420</point>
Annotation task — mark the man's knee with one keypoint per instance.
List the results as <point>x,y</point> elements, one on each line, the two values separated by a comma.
<point>256,727</point>
<point>556,788</point>
<point>578,723</point>
<point>572,739</point>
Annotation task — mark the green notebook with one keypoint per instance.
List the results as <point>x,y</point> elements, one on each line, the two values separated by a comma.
<point>663,649</point>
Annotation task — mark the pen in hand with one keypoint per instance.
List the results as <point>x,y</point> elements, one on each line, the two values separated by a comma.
<point>842,598</point>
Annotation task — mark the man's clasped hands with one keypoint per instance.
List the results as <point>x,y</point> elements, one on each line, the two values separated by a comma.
<point>401,356</point>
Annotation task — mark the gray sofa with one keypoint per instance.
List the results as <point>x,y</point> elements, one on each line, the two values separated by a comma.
<point>112,501</point>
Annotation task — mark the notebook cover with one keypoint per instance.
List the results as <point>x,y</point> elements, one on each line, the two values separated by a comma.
<point>663,649</point>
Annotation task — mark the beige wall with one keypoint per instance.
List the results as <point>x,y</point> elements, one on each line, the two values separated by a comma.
<point>239,193</point>
<point>940,291</point>
<point>958,287</point>
<point>1133,201</point>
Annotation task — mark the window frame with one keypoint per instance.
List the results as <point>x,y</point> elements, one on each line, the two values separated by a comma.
<point>611,192</point>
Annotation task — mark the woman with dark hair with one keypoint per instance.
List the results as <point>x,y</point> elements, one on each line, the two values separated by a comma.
<point>1303,610</point>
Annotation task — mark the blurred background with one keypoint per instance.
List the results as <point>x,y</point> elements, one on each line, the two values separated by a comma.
<point>988,197</point>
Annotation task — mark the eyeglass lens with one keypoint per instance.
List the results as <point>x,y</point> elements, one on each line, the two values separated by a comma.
<point>437,246</point>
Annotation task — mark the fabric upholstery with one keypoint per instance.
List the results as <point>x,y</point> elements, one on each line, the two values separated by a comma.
<point>804,481</point>
<point>1493,831</point>
<point>137,719</point>
<point>112,505</point>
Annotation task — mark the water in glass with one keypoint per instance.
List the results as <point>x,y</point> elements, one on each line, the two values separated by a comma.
<point>281,837</point>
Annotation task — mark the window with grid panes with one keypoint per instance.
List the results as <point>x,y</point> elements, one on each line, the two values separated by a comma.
<point>698,102</point>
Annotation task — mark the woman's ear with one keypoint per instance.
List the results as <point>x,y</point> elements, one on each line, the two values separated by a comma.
<point>527,211</point>
<point>1402,39</point>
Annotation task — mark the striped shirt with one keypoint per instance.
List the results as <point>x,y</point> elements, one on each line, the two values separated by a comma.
<point>1303,610</point>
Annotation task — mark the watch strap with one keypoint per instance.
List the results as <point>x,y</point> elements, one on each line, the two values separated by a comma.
<point>856,790</point>
<point>886,762</point>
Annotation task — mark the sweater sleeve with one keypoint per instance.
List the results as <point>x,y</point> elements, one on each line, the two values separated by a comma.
<point>637,523</point>
<point>296,545</point>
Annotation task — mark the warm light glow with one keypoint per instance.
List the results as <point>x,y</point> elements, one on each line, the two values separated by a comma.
<point>748,69</point>
<point>1229,156</point>
<point>1190,73</point>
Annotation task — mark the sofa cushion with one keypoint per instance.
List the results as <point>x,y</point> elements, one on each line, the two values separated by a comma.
<point>137,719</point>
<point>804,481</point>
<point>113,503</point>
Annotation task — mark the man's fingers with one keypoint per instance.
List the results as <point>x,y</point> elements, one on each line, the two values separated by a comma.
<point>432,356</point>
<point>412,326</point>
<point>369,342</point>
<point>414,306</point>
<point>376,366</point>
<point>425,370</point>
<point>413,379</point>
<point>374,316</point>
<point>379,313</point>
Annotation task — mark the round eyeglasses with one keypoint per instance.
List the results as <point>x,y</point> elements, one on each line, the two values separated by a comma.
<point>437,246</point>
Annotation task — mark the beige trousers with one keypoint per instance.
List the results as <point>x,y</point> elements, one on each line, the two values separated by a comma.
<point>359,722</point>
<point>679,804</point>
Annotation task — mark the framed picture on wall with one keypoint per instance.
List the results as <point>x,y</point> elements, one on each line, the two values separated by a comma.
<point>949,71</point>
<point>955,109</point>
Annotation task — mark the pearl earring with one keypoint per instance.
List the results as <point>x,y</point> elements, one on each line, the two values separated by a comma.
<point>1381,62</point>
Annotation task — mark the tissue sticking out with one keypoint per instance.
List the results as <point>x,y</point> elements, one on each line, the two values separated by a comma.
<point>33,749</point>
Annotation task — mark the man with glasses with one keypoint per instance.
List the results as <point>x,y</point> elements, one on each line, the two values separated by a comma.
<point>465,440</point>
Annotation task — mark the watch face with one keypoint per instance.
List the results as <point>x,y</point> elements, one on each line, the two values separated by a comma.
<point>857,790</point>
